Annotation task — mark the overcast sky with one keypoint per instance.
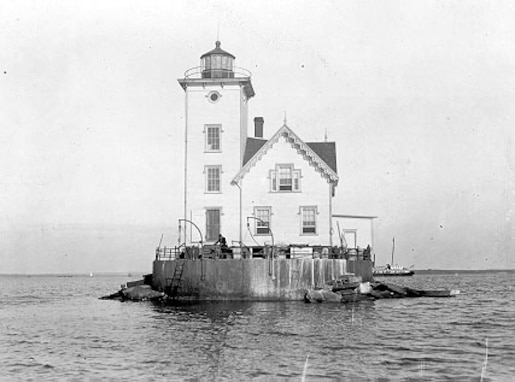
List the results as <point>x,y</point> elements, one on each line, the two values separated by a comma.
<point>418,95</point>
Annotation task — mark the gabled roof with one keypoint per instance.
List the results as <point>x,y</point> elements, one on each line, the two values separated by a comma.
<point>253,145</point>
<point>326,151</point>
<point>321,154</point>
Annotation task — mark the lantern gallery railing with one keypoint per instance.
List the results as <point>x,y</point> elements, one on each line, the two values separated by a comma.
<point>201,72</point>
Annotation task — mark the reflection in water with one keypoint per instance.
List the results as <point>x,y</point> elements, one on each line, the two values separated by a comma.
<point>203,330</point>
<point>267,336</point>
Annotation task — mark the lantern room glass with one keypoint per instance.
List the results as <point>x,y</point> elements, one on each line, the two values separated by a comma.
<point>217,66</point>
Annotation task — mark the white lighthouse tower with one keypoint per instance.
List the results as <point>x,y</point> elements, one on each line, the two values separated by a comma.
<point>216,115</point>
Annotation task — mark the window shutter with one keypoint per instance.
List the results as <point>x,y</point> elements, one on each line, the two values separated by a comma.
<point>296,180</point>
<point>273,180</point>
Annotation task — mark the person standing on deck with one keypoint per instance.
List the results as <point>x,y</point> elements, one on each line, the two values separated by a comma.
<point>222,242</point>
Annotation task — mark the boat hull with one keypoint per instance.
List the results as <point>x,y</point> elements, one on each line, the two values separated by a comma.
<point>392,273</point>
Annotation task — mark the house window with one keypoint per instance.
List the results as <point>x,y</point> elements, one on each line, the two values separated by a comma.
<point>262,215</point>
<point>213,138</point>
<point>285,178</point>
<point>212,223</point>
<point>308,220</point>
<point>213,178</point>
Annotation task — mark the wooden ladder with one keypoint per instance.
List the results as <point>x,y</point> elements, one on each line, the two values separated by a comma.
<point>174,284</point>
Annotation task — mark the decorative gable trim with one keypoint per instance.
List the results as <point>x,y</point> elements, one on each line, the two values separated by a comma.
<point>302,148</point>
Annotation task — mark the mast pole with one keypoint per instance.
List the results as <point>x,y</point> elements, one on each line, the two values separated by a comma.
<point>393,248</point>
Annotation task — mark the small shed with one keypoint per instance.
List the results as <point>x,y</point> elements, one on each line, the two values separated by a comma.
<point>353,231</point>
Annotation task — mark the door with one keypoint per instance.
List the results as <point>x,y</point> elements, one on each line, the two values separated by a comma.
<point>212,224</point>
<point>350,238</point>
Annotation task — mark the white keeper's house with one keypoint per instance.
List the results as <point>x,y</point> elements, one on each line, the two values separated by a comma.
<point>252,190</point>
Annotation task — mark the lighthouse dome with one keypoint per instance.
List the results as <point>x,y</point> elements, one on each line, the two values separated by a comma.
<point>217,63</point>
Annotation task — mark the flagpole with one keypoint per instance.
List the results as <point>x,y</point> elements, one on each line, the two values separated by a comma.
<point>393,249</point>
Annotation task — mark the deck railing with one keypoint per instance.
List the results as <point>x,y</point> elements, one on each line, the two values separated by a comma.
<point>168,253</point>
<point>214,252</point>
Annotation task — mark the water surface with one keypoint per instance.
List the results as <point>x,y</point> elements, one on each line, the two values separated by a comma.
<point>56,328</point>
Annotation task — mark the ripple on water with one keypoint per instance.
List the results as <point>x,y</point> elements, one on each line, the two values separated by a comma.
<point>51,335</point>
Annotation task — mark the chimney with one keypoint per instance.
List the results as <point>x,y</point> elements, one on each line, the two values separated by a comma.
<point>258,127</point>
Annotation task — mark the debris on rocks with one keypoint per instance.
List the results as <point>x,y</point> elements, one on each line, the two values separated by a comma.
<point>349,290</point>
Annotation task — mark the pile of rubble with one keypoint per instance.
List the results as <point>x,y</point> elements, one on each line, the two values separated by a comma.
<point>348,289</point>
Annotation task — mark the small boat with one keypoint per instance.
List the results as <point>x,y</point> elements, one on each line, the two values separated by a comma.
<point>389,270</point>
<point>392,270</point>
<point>432,293</point>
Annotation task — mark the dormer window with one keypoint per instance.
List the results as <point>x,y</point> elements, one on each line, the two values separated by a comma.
<point>213,138</point>
<point>285,178</point>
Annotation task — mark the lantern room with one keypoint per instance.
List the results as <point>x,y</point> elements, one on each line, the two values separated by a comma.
<point>217,63</point>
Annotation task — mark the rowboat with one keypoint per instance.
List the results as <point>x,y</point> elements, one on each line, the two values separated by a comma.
<point>432,293</point>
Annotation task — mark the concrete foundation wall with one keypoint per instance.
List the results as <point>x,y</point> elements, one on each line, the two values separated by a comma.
<point>254,279</point>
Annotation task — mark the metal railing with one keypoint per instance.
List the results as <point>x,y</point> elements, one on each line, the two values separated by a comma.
<point>193,252</point>
<point>168,253</point>
<point>198,71</point>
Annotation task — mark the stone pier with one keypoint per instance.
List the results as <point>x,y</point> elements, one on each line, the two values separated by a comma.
<point>255,279</point>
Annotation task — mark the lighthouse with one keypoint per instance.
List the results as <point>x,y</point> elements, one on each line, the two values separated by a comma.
<point>271,198</point>
<point>216,94</point>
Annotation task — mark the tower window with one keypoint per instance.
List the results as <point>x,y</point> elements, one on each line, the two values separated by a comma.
<point>285,178</point>
<point>213,138</point>
<point>263,215</point>
<point>213,179</point>
<point>308,220</point>
<point>213,96</point>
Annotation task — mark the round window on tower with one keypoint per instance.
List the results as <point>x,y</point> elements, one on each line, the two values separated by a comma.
<point>214,96</point>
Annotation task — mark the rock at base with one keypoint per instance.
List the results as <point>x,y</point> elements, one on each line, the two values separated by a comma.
<point>141,293</point>
<point>135,293</point>
<point>322,295</point>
